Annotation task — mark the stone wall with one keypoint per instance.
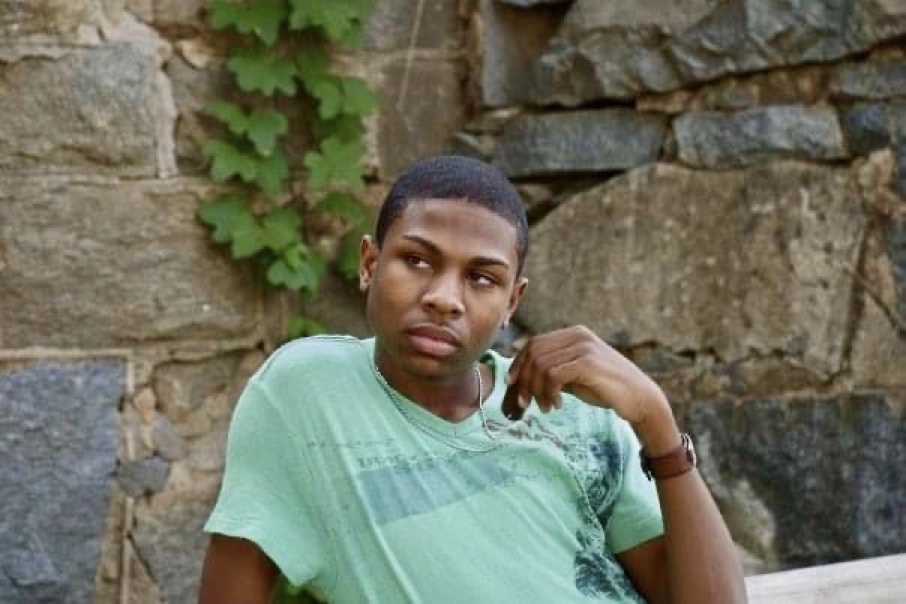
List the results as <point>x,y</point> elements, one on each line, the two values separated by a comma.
<point>716,187</point>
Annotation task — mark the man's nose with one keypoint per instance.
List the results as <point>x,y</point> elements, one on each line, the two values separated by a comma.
<point>444,295</point>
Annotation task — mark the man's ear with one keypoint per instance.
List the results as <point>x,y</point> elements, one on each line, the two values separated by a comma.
<point>368,255</point>
<point>515,297</point>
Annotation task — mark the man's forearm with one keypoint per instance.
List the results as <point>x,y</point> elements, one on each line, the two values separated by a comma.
<point>702,563</point>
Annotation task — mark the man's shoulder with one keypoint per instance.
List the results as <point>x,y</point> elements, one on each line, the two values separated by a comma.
<point>313,356</point>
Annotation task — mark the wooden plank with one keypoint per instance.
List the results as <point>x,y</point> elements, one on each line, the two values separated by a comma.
<point>869,581</point>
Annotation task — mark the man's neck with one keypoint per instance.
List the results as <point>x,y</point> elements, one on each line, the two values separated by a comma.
<point>453,397</point>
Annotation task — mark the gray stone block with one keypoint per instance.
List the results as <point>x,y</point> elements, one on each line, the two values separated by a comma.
<point>822,471</point>
<point>874,80</point>
<point>898,128</point>
<point>391,23</point>
<point>143,477</point>
<point>607,49</point>
<point>738,263</point>
<point>88,263</point>
<point>167,443</point>
<point>185,16</point>
<point>22,21</point>
<point>865,127</point>
<point>715,140</point>
<point>58,448</point>
<point>580,141</point>
<point>896,250</point>
<point>419,121</point>
<point>94,110</point>
<point>513,42</point>
<point>170,540</point>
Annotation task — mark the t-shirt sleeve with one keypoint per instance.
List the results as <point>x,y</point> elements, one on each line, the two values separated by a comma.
<point>636,514</point>
<point>263,495</point>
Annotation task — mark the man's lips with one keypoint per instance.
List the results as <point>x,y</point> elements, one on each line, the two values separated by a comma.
<point>433,340</point>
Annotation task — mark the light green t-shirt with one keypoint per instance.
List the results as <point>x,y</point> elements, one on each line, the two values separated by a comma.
<point>363,499</point>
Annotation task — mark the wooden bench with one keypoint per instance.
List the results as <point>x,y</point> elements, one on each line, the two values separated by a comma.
<point>869,581</point>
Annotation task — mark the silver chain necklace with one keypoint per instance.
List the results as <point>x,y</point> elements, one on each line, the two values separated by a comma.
<point>433,432</point>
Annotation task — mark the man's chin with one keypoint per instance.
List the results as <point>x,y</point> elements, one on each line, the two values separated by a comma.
<point>434,367</point>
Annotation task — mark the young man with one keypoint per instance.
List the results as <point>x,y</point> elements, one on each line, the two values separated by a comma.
<point>417,466</point>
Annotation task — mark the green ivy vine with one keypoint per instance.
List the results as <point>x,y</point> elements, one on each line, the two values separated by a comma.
<point>285,51</point>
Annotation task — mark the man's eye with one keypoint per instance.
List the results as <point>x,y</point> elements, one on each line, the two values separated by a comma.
<point>415,261</point>
<point>482,279</point>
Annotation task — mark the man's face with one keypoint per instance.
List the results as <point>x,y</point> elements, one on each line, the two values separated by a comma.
<point>440,287</point>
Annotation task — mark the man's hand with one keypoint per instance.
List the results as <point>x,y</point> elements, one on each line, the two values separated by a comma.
<point>577,361</point>
<point>695,561</point>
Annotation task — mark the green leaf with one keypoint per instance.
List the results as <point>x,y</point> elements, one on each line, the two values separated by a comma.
<point>330,98</point>
<point>260,71</point>
<point>271,172</point>
<point>349,96</point>
<point>281,229</point>
<point>357,98</point>
<point>313,66</point>
<point>337,163</point>
<point>346,128</point>
<point>348,255</point>
<point>336,18</point>
<point>224,214</point>
<point>300,326</point>
<point>264,128</point>
<point>280,273</point>
<point>295,255</point>
<point>344,206</point>
<point>229,114</point>
<point>228,161</point>
<point>262,17</point>
<point>248,239</point>
<point>233,222</point>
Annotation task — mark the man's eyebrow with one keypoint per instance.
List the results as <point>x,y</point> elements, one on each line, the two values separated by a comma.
<point>479,260</point>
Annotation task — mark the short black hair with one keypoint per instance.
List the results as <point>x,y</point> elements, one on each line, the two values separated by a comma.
<point>456,177</point>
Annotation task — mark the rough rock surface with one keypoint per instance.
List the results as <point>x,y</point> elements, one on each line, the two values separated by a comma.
<point>896,249</point>
<point>201,395</point>
<point>33,26</point>
<point>800,85</point>
<point>99,263</point>
<point>144,476</point>
<point>58,450</point>
<point>513,41</point>
<point>391,24</point>
<point>879,350</point>
<point>95,110</point>
<point>580,141</point>
<point>866,128</point>
<point>602,51</point>
<point>876,80</point>
<point>737,262</point>
<point>783,460</point>
<point>717,140</point>
<point>408,129</point>
<point>170,541</point>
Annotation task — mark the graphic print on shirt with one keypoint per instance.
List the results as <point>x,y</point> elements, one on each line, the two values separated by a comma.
<point>399,490</point>
<point>597,571</point>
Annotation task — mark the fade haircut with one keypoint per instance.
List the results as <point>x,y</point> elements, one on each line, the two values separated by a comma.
<point>456,177</point>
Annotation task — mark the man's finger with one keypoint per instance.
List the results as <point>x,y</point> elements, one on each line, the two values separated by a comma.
<point>510,405</point>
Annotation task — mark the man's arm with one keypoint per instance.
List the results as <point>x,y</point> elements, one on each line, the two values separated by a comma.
<point>236,571</point>
<point>701,563</point>
<point>695,562</point>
